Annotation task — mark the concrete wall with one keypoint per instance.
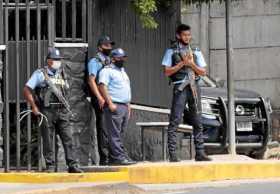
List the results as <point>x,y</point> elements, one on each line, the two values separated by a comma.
<point>256,41</point>
<point>152,140</point>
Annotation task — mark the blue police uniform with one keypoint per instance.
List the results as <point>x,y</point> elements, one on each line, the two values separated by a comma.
<point>117,82</point>
<point>57,115</point>
<point>37,79</point>
<point>118,86</point>
<point>180,98</point>
<point>95,65</point>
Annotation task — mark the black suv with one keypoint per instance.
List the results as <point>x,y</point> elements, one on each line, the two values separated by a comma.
<point>252,113</point>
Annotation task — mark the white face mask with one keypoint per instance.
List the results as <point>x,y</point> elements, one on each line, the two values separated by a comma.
<point>56,65</point>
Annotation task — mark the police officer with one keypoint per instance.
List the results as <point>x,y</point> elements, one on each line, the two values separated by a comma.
<point>181,66</point>
<point>49,104</point>
<point>101,59</point>
<point>115,88</point>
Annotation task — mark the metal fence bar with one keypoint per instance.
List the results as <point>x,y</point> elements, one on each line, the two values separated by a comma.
<point>53,20</point>
<point>49,22</point>
<point>84,20</point>
<point>29,165</point>
<point>1,23</point>
<point>89,21</point>
<point>74,19</point>
<point>63,18</point>
<point>6,93</point>
<point>38,34</point>
<point>17,89</point>
<point>39,65</point>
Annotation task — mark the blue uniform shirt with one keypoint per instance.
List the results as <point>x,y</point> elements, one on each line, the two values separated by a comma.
<point>38,79</point>
<point>200,61</point>
<point>94,65</point>
<point>117,82</point>
<point>167,59</point>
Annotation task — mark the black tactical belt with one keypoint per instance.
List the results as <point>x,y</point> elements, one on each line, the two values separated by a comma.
<point>121,103</point>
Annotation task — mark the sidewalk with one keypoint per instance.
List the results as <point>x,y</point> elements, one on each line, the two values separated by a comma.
<point>223,167</point>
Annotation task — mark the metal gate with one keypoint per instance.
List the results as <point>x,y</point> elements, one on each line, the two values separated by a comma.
<point>27,28</point>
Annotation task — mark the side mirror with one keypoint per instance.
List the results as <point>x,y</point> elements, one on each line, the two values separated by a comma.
<point>220,83</point>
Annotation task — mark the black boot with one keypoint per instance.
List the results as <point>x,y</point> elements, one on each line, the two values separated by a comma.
<point>129,159</point>
<point>74,169</point>
<point>124,162</point>
<point>173,157</point>
<point>200,155</point>
<point>104,162</point>
<point>49,168</point>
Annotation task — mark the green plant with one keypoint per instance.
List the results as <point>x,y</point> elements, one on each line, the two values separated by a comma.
<point>146,9</point>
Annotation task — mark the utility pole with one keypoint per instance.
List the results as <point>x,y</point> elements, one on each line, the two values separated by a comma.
<point>230,80</point>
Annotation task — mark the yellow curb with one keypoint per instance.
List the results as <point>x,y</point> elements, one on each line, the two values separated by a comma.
<point>159,173</point>
<point>204,172</point>
<point>63,177</point>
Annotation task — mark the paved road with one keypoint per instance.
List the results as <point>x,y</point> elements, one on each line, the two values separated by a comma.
<point>271,186</point>
<point>266,188</point>
<point>225,187</point>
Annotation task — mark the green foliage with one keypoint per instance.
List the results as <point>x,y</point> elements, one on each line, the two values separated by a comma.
<point>146,8</point>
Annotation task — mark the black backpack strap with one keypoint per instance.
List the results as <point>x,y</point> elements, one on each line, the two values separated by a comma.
<point>103,62</point>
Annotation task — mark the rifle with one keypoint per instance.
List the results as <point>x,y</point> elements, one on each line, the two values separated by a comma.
<point>191,78</point>
<point>57,93</point>
<point>190,73</point>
